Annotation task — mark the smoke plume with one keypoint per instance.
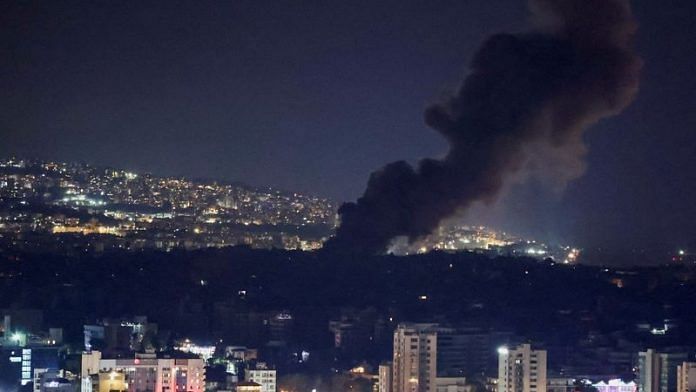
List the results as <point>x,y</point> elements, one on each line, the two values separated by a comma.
<point>526,103</point>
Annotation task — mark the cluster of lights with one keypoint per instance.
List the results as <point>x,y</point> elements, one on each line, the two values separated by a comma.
<point>572,256</point>
<point>660,331</point>
<point>140,204</point>
<point>534,251</point>
<point>205,352</point>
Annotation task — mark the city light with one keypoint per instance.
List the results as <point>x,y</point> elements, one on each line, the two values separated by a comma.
<point>155,212</point>
<point>299,232</point>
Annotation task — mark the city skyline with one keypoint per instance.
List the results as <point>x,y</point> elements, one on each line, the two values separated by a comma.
<point>348,196</point>
<point>312,98</point>
<point>101,209</point>
<point>453,235</point>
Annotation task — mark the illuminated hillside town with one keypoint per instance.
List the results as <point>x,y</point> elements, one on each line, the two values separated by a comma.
<point>119,281</point>
<point>348,196</point>
<point>78,208</point>
<point>91,209</point>
<point>452,238</point>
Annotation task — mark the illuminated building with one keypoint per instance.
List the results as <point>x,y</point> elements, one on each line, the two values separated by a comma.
<point>248,386</point>
<point>112,381</point>
<point>384,383</point>
<point>615,385</point>
<point>17,363</point>
<point>263,376</point>
<point>205,352</point>
<point>147,372</point>
<point>241,353</point>
<point>521,369</point>
<point>657,372</point>
<point>686,377</point>
<point>24,356</point>
<point>423,352</point>
<point>89,370</point>
<point>415,352</point>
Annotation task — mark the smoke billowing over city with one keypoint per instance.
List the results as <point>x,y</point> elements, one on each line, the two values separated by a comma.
<point>183,204</point>
<point>526,102</point>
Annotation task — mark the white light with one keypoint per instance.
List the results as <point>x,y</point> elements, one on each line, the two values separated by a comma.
<point>503,350</point>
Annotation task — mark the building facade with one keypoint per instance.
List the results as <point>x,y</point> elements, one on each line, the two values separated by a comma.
<point>686,377</point>
<point>521,369</point>
<point>144,373</point>
<point>384,382</point>
<point>415,352</point>
<point>263,376</point>
<point>19,363</point>
<point>657,372</point>
<point>615,385</point>
<point>423,352</point>
<point>248,386</point>
<point>451,384</point>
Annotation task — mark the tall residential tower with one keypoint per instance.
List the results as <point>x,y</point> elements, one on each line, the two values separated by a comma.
<point>521,369</point>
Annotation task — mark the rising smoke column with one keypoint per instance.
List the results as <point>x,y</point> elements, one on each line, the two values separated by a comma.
<point>528,99</point>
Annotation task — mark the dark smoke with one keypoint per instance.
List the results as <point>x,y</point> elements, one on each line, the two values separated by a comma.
<point>525,104</point>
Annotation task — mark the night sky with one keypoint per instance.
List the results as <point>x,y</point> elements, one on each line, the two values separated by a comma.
<point>314,95</point>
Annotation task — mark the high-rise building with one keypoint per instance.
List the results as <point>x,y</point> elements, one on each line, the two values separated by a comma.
<point>468,352</point>
<point>415,352</point>
<point>686,377</point>
<point>521,369</point>
<point>384,383</point>
<point>423,352</point>
<point>657,372</point>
